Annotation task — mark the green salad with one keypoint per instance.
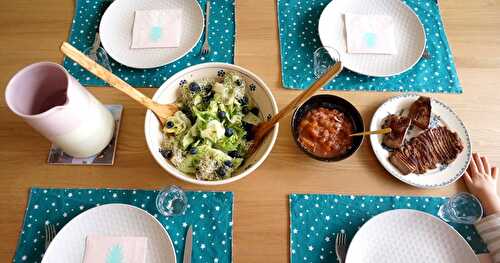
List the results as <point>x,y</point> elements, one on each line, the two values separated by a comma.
<point>211,134</point>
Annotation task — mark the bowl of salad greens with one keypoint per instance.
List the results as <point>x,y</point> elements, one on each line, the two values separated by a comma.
<point>207,140</point>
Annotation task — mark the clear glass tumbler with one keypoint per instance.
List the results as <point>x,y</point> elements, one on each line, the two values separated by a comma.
<point>324,58</point>
<point>462,208</point>
<point>171,201</point>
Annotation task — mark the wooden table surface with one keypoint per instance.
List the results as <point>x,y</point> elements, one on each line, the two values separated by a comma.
<point>32,31</point>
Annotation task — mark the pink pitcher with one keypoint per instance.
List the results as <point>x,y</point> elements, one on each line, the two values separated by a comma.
<point>58,107</point>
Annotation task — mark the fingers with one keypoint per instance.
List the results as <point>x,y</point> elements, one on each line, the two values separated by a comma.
<point>486,164</point>
<point>478,163</point>
<point>467,178</point>
<point>473,166</point>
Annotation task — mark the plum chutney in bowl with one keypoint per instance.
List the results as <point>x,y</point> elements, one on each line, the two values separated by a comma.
<point>322,127</point>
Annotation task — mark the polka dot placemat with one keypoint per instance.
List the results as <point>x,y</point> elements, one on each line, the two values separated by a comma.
<point>315,219</point>
<point>210,214</point>
<point>86,23</point>
<point>298,31</point>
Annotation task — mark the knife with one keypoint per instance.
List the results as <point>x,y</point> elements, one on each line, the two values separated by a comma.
<point>188,245</point>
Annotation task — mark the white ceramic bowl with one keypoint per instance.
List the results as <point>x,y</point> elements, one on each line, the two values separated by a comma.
<point>169,92</point>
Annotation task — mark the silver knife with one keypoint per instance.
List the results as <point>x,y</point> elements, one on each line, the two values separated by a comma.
<point>188,245</point>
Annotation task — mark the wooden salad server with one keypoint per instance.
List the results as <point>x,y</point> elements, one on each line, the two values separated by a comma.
<point>262,129</point>
<point>161,111</point>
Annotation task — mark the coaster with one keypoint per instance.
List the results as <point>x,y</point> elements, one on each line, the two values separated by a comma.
<point>105,157</point>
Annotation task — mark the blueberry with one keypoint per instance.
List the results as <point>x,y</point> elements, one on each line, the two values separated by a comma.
<point>238,82</point>
<point>244,100</point>
<point>255,111</point>
<point>167,154</point>
<point>208,97</point>
<point>170,124</point>
<point>221,171</point>
<point>194,87</point>
<point>193,150</point>
<point>229,132</point>
<point>245,110</point>
<point>221,114</point>
<point>249,136</point>
<point>234,154</point>
<point>247,126</point>
<point>228,163</point>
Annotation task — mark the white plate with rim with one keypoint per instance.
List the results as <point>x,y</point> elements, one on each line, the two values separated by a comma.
<point>409,36</point>
<point>113,220</point>
<point>258,92</point>
<point>442,115</point>
<point>409,236</point>
<point>116,26</point>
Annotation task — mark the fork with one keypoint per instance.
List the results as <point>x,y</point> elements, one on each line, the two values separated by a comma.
<point>50,233</point>
<point>341,246</point>
<point>205,50</point>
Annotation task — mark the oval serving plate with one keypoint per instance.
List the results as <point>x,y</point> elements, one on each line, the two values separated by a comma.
<point>442,115</point>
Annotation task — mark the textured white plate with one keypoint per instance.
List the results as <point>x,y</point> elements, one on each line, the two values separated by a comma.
<point>168,93</point>
<point>408,33</point>
<point>442,115</point>
<point>116,32</point>
<point>114,220</point>
<point>408,236</point>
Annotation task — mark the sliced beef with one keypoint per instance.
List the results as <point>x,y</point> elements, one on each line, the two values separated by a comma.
<point>399,127</point>
<point>427,150</point>
<point>420,112</point>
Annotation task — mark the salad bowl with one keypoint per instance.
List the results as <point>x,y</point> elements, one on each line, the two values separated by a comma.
<point>258,93</point>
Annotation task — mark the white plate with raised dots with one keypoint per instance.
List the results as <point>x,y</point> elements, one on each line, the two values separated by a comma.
<point>111,220</point>
<point>409,236</point>
<point>408,33</point>
<point>116,32</point>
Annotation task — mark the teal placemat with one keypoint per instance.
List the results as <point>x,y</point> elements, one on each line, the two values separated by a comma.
<point>210,214</point>
<point>298,23</point>
<point>316,218</point>
<point>86,23</point>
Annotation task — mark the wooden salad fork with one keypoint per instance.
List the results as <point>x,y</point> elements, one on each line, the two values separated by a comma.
<point>161,111</point>
<point>262,129</point>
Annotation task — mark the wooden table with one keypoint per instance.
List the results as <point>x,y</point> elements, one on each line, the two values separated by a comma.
<point>32,31</point>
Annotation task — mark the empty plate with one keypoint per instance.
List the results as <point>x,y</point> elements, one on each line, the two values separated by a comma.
<point>116,32</point>
<point>408,236</point>
<point>408,33</point>
<point>112,220</point>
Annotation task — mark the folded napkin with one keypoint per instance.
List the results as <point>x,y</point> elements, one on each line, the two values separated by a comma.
<point>157,28</point>
<point>369,34</point>
<point>112,249</point>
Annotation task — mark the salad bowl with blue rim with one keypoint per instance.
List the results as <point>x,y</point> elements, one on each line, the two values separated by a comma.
<point>189,82</point>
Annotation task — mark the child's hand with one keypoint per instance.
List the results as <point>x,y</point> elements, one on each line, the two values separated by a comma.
<point>481,180</point>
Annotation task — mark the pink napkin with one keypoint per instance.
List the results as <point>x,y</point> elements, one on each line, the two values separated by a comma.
<point>370,34</point>
<point>115,249</point>
<point>157,28</point>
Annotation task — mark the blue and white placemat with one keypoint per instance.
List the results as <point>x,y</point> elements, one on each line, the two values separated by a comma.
<point>86,23</point>
<point>210,214</point>
<point>298,32</point>
<point>316,218</point>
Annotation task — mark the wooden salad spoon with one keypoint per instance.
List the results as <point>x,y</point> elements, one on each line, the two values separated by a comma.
<point>262,129</point>
<point>381,131</point>
<point>161,111</point>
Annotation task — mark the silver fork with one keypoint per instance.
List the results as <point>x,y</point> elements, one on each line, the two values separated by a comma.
<point>341,246</point>
<point>50,233</point>
<point>205,50</point>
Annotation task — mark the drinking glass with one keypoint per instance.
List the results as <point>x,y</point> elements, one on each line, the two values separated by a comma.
<point>98,54</point>
<point>171,201</point>
<point>462,208</point>
<point>324,58</point>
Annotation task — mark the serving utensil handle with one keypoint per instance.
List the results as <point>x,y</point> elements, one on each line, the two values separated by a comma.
<point>381,131</point>
<point>99,71</point>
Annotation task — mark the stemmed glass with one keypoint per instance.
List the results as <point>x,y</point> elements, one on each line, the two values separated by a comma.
<point>171,201</point>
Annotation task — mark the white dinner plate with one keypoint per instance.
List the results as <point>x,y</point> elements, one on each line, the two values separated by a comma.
<point>409,36</point>
<point>442,115</point>
<point>116,32</point>
<point>113,220</point>
<point>408,236</point>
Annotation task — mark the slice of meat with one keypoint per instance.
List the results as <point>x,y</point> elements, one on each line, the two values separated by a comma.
<point>420,112</point>
<point>399,126</point>
<point>427,150</point>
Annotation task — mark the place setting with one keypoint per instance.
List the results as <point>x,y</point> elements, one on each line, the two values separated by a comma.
<point>211,123</point>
